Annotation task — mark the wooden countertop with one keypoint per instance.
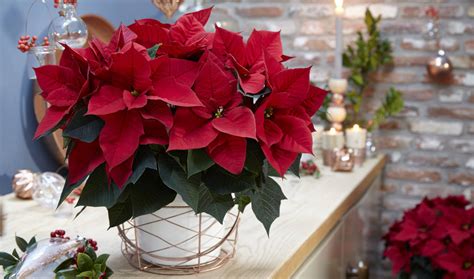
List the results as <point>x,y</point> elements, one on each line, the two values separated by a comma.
<point>313,208</point>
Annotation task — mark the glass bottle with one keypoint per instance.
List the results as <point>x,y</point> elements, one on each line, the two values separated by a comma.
<point>68,28</point>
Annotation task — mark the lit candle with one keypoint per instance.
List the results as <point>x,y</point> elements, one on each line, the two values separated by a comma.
<point>338,54</point>
<point>355,137</point>
<point>333,139</point>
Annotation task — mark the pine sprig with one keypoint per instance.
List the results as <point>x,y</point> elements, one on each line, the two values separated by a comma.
<point>369,54</point>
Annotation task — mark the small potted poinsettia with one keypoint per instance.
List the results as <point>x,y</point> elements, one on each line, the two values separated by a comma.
<point>433,240</point>
<point>170,113</point>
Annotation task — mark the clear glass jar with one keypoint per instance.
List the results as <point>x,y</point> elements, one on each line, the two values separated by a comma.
<point>68,28</point>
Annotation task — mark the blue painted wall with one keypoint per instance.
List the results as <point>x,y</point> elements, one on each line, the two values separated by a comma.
<point>17,121</point>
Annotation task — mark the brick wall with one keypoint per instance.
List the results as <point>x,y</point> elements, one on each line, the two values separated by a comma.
<point>431,145</point>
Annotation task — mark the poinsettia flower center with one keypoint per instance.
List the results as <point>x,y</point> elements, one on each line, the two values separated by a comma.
<point>134,92</point>
<point>268,112</point>
<point>467,265</point>
<point>423,229</point>
<point>466,227</point>
<point>219,112</point>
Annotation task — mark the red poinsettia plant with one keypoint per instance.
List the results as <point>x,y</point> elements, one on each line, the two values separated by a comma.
<point>433,240</point>
<point>167,109</point>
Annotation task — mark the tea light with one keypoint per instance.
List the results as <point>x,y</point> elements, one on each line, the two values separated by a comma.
<point>355,137</point>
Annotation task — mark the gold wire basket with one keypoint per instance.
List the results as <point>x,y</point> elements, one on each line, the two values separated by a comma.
<point>176,241</point>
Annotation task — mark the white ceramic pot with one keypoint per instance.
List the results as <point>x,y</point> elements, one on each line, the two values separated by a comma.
<point>175,241</point>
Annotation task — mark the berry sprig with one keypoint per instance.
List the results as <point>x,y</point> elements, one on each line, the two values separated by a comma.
<point>56,2</point>
<point>26,42</point>
<point>309,168</point>
<point>59,234</point>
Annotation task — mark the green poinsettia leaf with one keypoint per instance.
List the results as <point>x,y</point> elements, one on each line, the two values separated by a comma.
<point>295,166</point>
<point>242,201</point>
<point>198,161</point>
<point>153,50</point>
<point>83,127</point>
<point>254,157</point>
<point>220,181</point>
<point>97,191</point>
<point>68,188</point>
<point>84,262</point>
<point>120,212</point>
<point>149,194</point>
<point>218,206</point>
<point>21,243</point>
<point>266,202</point>
<point>144,159</point>
<point>175,178</point>
<point>193,192</point>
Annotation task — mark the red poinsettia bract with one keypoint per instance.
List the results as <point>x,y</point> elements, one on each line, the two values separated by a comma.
<point>222,125</point>
<point>183,88</point>
<point>440,230</point>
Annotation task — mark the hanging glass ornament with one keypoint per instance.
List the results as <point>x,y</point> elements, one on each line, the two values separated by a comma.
<point>68,28</point>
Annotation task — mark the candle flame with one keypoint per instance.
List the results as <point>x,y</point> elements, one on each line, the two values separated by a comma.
<point>332,130</point>
<point>339,3</point>
<point>356,127</point>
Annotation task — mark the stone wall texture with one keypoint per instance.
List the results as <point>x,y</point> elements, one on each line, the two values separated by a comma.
<point>431,144</point>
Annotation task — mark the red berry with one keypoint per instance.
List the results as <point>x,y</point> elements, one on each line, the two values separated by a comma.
<point>52,234</point>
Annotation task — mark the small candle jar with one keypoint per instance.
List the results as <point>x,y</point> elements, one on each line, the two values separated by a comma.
<point>356,140</point>
<point>332,140</point>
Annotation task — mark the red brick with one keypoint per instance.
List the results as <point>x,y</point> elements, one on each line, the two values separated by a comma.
<point>405,27</point>
<point>417,95</point>
<point>444,12</point>
<point>469,46</point>
<point>448,44</point>
<point>452,112</point>
<point>413,174</point>
<point>392,124</point>
<point>462,178</point>
<point>311,44</point>
<point>397,77</point>
<point>411,60</point>
<point>260,12</point>
<point>390,142</point>
<point>432,160</point>
<point>462,145</point>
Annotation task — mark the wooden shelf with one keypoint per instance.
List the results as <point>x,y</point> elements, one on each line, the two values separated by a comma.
<point>314,207</point>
